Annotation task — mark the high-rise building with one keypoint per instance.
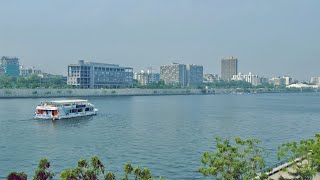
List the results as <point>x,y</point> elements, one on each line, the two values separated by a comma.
<point>182,74</point>
<point>229,67</point>
<point>99,75</point>
<point>194,75</point>
<point>10,66</point>
<point>174,74</point>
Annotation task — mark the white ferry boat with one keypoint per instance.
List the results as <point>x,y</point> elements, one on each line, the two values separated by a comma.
<point>63,109</point>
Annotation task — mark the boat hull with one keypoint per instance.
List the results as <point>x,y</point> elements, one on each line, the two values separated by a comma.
<point>69,116</point>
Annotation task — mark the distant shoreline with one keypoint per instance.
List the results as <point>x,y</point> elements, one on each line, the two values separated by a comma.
<point>59,93</point>
<point>51,93</point>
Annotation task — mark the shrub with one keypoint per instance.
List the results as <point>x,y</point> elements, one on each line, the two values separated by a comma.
<point>17,176</point>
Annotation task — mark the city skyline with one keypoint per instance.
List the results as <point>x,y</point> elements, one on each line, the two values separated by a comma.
<point>143,34</point>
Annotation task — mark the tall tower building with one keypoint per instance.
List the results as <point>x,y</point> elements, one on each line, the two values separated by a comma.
<point>229,67</point>
<point>174,73</point>
<point>194,75</point>
<point>9,66</point>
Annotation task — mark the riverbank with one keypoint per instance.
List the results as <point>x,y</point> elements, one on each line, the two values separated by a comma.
<point>40,93</point>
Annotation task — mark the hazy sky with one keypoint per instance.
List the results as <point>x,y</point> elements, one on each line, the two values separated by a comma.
<point>270,38</point>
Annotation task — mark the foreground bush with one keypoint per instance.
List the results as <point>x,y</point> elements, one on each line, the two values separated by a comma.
<point>17,176</point>
<point>308,153</point>
<point>241,160</point>
<point>84,171</point>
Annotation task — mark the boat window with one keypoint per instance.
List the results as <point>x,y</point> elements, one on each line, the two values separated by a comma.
<point>87,109</point>
<point>80,106</point>
<point>79,110</point>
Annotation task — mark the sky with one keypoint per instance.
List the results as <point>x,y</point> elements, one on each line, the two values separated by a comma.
<point>269,38</point>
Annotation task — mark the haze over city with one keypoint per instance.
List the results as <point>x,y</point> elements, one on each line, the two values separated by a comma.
<point>270,38</point>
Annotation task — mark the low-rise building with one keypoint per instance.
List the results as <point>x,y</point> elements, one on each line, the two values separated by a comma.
<point>250,78</point>
<point>210,78</point>
<point>264,80</point>
<point>24,71</point>
<point>148,77</point>
<point>315,80</point>
<point>301,86</point>
<point>281,81</point>
<point>99,75</point>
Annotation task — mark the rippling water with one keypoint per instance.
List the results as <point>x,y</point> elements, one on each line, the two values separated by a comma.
<point>167,134</point>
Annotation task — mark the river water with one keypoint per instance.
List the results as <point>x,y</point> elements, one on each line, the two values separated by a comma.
<point>167,134</point>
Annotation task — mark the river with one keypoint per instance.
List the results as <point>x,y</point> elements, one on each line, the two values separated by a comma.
<point>167,134</point>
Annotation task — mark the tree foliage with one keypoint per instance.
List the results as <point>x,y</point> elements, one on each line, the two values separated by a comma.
<point>308,154</point>
<point>95,170</point>
<point>241,160</point>
<point>32,81</point>
<point>17,176</point>
<point>43,172</point>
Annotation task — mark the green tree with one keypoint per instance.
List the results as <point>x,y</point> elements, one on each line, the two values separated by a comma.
<point>7,82</point>
<point>243,160</point>
<point>308,154</point>
<point>95,170</point>
<point>137,173</point>
<point>43,172</point>
<point>17,176</point>
<point>110,176</point>
<point>84,170</point>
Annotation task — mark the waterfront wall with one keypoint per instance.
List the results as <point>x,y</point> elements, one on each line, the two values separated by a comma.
<point>37,93</point>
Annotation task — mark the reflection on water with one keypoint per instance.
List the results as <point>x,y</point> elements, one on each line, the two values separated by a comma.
<point>167,134</point>
<point>78,121</point>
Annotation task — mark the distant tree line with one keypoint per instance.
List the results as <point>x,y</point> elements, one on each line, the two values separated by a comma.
<point>238,160</point>
<point>33,81</point>
<point>55,81</point>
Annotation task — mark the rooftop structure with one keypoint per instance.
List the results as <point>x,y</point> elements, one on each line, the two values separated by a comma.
<point>69,101</point>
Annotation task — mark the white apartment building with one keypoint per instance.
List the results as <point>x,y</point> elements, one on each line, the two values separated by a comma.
<point>148,77</point>
<point>210,78</point>
<point>281,81</point>
<point>315,80</point>
<point>250,78</point>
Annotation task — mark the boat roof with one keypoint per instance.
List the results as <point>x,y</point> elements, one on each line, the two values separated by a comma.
<point>68,101</point>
